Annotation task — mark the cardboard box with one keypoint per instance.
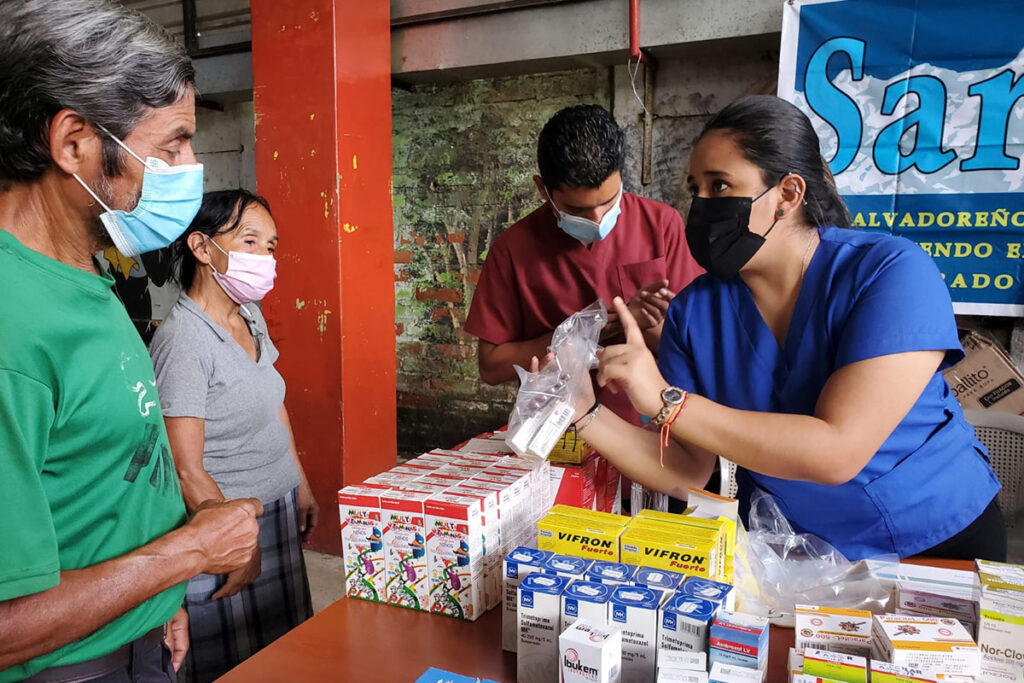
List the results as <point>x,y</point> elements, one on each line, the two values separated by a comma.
<point>569,566</point>
<point>730,673</point>
<point>672,551</point>
<point>362,543</point>
<point>884,672</point>
<point>634,609</point>
<point>684,622</point>
<point>589,515</point>
<point>681,676</point>
<point>1001,629</point>
<point>405,548</point>
<point>585,600</point>
<point>538,615</point>
<point>739,640</point>
<point>575,485</point>
<point>518,564</point>
<point>455,556</point>
<point>570,449</point>
<point>715,591</point>
<point>835,666</point>
<point>611,573</point>
<point>932,644</point>
<point>722,527</point>
<point>491,541</point>
<point>834,629</point>
<point>590,653</point>
<point>796,663</point>
<point>662,579</point>
<point>986,378</point>
<point>682,661</point>
<point>577,537</point>
<point>934,591</point>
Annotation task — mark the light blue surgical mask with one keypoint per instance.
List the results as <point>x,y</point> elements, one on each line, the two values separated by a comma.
<point>584,229</point>
<point>170,199</point>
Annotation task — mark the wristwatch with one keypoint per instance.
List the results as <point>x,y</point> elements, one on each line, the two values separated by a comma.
<point>670,398</point>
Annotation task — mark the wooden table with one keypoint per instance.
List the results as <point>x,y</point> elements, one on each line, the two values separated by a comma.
<point>353,640</point>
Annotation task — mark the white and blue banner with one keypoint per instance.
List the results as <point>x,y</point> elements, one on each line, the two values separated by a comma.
<point>918,107</point>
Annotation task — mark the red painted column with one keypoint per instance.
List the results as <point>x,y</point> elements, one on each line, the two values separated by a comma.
<point>322,78</point>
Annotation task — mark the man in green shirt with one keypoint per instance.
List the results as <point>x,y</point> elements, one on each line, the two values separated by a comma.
<point>96,116</point>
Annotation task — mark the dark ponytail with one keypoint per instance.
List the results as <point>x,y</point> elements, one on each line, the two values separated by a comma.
<point>221,212</point>
<point>779,139</point>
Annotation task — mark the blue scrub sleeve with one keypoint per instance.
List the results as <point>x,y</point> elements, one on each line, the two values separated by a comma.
<point>904,306</point>
<point>675,360</point>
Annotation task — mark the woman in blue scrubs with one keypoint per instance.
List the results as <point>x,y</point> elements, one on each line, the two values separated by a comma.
<point>809,354</point>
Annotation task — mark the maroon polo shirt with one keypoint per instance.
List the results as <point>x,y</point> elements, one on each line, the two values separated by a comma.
<point>535,275</point>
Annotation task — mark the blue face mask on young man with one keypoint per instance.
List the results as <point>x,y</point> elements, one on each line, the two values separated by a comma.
<point>170,199</point>
<point>584,229</point>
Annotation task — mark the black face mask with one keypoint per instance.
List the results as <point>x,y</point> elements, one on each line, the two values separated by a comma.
<point>718,233</point>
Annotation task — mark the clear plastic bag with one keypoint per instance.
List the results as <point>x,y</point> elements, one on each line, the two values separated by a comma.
<point>777,568</point>
<point>643,498</point>
<point>547,399</point>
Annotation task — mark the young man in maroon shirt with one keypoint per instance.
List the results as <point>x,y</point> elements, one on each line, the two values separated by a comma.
<point>590,240</point>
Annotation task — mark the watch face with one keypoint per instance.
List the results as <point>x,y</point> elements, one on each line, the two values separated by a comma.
<point>672,396</point>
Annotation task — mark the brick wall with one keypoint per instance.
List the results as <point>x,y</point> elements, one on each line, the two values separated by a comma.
<point>464,158</point>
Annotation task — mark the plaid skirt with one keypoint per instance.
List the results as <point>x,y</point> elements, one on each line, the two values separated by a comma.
<point>227,631</point>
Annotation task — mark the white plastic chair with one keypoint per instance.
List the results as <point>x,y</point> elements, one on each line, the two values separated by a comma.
<point>1003,436</point>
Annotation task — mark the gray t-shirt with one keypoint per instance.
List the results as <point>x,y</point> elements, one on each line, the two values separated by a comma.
<point>201,371</point>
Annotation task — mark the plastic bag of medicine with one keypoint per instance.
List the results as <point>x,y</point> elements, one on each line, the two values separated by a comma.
<point>547,399</point>
<point>776,568</point>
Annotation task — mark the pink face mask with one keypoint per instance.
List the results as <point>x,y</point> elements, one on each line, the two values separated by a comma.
<point>249,276</point>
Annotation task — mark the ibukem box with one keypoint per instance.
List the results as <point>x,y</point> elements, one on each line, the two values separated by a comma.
<point>540,600</point>
<point>634,609</point>
<point>590,653</point>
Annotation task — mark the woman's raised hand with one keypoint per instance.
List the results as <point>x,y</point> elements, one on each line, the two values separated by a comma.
<point>631,366</point>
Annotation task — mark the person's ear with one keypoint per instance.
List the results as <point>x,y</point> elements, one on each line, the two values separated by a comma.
<point>792,190</point>
<point>200,249</point>
<point>74,144</point>
<point>540,188</point>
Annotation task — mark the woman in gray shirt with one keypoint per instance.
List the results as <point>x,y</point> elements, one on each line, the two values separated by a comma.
<point>223,403</point>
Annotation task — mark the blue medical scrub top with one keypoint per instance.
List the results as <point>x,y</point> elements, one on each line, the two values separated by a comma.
<point>864,295</point>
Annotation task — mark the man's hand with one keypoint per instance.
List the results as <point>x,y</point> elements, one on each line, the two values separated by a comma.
<point>176,637</point>
<point>648,307</point>
<point>309,510</point>
<point>240,578</point>
<point>226,533</point>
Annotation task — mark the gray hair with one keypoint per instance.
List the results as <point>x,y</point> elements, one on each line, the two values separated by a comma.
<point>95,57</point>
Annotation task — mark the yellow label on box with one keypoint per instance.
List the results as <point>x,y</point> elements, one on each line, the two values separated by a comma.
<point>570,449</point>
<point>594,515</point>
<point>707,530</point>
<point>578,537</point>
<point>674,552</point>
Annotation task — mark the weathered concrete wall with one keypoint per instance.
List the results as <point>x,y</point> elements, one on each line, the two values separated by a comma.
<point>464,157</point>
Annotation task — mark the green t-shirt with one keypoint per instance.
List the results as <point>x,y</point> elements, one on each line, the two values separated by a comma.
<point>86,472</point>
